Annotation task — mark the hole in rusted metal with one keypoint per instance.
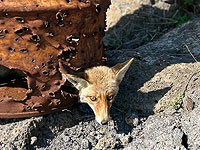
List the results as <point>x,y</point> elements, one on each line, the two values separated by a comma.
<point>69,89</point>
<point>24,50</point>
<point>45,73</point>
<point>1,36</point>
<point>51,56</point>
<point>20,31</point>
<point>35,38</point>
<point>36,106</point>
<point>36,86</point>
<point>51,34</point>
<point>16,39</point>
<point>71,39</point>
<point>12,78</point>
<point>68,1</point>
<point>11,49</point>
<point>6,31</point>
<point>98,8</point>
<point>59,18</point>
<point>84,1</point>
<point>43,86</point>
<point>43,65</point>
<point>37,5</point>
<point>33,60</point>
<point>47,24</point>
<point>20,19</point>
<point>67,55</point>
<point>51,94</point>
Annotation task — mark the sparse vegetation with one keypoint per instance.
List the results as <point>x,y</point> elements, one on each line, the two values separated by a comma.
<point>192,5</point>
<point>181,20</point>
<point>177,102</point>
<point>133,31</point>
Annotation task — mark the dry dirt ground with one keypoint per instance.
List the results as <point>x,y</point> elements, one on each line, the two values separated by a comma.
<point>163,76</point>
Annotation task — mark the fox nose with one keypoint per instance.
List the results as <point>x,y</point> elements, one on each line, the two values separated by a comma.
<point>103,122</point>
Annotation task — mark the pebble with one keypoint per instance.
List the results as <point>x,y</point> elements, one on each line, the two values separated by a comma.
<point>85,144</point>
<point>126,139</point>
<point>132,120</point>
<point>33,140</point>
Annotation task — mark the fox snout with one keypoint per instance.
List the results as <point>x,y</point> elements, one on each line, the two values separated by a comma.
<point>102,111</point>
<point>102,121</point>
<point>98,86</point>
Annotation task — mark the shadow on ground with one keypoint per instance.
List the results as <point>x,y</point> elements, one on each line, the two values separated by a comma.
<point>132,31</point>
<point>145,26</point>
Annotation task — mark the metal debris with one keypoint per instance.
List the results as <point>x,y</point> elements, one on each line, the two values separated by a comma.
<point>35,36</point>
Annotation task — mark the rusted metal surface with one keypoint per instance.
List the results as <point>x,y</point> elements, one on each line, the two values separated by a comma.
<point>34,37</point>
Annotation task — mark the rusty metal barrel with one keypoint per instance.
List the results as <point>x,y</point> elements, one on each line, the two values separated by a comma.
<point>35,37</point>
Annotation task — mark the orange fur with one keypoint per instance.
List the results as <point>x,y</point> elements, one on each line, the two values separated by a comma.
<point>99,87</point>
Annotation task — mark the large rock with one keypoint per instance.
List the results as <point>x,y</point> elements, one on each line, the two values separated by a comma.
<point>164,69</point>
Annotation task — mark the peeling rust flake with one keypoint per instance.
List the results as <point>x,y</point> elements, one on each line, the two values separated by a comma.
<point>35,37</point>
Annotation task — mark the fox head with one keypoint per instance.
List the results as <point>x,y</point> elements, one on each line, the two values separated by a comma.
<point>98,87</point>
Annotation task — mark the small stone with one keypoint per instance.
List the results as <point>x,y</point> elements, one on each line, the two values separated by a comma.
<point>188,104</point>
<point>132,120</point>
<point>111,123</point>
<point>126,139</point>
<point>105,143</point>
<point>67,139</point>
<point>33,140</point>
<point>85,144</point>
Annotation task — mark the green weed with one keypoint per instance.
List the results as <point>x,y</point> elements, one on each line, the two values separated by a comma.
<point>181,20</point>
<point>177,102</point>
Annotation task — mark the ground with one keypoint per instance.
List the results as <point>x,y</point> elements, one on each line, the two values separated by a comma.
<point>158,104</point>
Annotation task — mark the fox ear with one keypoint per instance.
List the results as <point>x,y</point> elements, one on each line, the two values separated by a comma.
<point>121,68</point>
<point>77,82</point>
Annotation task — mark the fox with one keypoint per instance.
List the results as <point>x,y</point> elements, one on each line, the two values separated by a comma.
<point>98,87</point>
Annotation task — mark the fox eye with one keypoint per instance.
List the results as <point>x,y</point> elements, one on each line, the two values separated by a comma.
<point>110,97</point>
<point>92,98</point>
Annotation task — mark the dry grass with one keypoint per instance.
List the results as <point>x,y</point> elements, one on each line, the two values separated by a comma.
<point>144,25</point>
